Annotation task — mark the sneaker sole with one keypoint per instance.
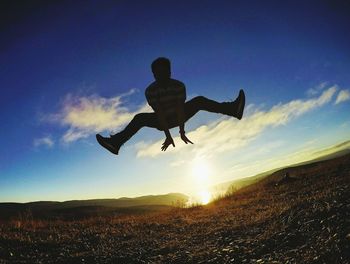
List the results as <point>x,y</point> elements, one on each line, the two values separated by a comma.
<point>104,144</point>
<point>241,104</point>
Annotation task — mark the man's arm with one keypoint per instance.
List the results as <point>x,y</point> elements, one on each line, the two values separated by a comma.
<point>180,110</point>
<point>162,120</point>
<point>152,100</point>
<point>164,126</point>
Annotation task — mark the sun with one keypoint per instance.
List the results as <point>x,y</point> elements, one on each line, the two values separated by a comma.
<point>205,197</point>
<point>201,172</point>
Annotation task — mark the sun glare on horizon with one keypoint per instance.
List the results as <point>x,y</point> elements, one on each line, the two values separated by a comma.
<point>201,171</point>
<point>205,197</point>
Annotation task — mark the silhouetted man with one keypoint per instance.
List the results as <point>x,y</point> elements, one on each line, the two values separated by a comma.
<point>167,98</point>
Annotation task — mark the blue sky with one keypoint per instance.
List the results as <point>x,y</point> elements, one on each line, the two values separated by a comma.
<point>69,70</point>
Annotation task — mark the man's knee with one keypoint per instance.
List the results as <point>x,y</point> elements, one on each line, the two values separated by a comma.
<point>193,106</point>
<point>145,119</point>
<point>198,100</point>
<point>138,118</point>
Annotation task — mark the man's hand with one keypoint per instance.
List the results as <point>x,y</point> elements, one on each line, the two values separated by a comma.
<point>168,141</point>
<point>184,138</point>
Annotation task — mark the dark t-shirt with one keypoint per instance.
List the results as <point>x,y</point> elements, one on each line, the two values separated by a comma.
<point>167,96</point>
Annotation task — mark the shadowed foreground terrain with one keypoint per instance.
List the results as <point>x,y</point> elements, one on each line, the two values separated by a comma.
<point>300,219</point>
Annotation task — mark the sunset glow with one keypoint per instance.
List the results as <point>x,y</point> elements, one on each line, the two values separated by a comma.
<point>205,197</point>
<point>201,173</point>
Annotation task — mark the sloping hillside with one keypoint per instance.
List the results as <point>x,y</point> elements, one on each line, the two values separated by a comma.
<point>334,152</point>
<point>304,219</point>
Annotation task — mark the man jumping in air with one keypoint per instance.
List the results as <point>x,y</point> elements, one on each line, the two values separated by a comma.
<point>167,98</point>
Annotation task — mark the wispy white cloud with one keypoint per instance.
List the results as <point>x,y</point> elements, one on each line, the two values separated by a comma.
<point>269,147</point>
<point>87,115</point>
<point>44,141</point>
<point>343,95</point>
<point>228,134</point>
<point>177,163</point>
<point>317,90</point>
<point>84,116</point>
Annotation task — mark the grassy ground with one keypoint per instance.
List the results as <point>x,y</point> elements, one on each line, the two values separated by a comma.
<point>305,220</point>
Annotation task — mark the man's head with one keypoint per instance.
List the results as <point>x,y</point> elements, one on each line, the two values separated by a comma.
<point>161,69</point>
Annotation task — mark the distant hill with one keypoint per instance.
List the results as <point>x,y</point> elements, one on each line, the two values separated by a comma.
<point>336,151</point>
<point>85,208</point>
<point>332,152</point>
<point>316,167</point>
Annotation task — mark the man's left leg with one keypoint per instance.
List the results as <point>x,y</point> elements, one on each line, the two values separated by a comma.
<point>199,103</point>
<point>114,142</point>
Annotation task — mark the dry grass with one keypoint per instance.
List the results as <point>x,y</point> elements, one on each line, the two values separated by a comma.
<point>304,221</point>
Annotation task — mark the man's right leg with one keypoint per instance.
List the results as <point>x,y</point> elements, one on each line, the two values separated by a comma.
<point>114,143</point>
<point>198,103</point>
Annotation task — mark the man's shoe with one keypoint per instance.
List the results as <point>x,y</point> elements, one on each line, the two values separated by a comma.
<point>240,103</point>
<point>236,107</point>
<point>108,143</point>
